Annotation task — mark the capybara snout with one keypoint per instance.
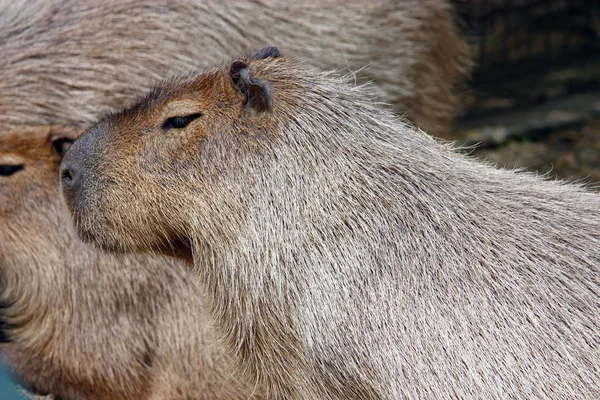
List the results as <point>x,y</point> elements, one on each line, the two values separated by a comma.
<point>87,176</point>
<point>72,177</point>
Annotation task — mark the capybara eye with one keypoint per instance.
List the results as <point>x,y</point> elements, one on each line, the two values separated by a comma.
<point>8,170</point>
<point>180,122</point>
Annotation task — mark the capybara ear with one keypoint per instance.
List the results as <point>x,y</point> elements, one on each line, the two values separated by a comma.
<point>61,143</point>
<point>257,94</point>
<point>268,52</point>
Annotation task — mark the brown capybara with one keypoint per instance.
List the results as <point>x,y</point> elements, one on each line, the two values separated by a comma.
<point>344,253</point>
<point>81,324</point>
<point>68,61</point>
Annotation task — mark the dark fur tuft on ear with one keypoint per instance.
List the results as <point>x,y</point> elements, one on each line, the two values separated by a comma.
<point>268,52</point>
<point>61,144</point>
<point>257,93</point>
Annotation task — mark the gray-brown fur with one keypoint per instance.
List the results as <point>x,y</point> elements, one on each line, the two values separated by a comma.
<point>82,324</point>
<point>68,61</point>
<point>346,254</point>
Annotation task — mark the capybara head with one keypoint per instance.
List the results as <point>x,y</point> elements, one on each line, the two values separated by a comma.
<point>198,129</point>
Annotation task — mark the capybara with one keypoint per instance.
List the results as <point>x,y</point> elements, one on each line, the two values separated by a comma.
<point>344,253</point>
<point>81,324</point>
<point>67,61</point>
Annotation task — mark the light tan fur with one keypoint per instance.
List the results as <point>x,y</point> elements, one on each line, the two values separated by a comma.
<point>346,254</point>
<point>83,324</point>
<point>67,61</point>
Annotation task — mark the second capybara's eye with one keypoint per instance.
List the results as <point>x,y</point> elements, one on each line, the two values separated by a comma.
<point>8,170</point>
<point>180,122</point>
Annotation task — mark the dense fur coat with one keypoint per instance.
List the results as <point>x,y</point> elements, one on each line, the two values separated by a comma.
<point>82,324</point>
<point>346,254</point>
<point>67,61</point>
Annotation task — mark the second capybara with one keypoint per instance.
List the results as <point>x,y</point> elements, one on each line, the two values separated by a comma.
<point>78,323</point>
<point>68,61</point>
<point>344,253</point>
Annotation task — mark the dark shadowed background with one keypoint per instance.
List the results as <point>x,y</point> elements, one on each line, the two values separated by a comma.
<point>534,97</point>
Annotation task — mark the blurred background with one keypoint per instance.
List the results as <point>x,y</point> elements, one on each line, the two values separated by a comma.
<point>533,99</point>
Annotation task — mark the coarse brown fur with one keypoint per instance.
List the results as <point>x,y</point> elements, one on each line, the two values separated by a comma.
<point>68,61</point>
<point>346,254</point>
<point>83,324</point>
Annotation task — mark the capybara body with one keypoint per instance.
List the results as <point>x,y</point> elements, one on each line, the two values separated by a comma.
<point>344,253</point>
<point>68,61</point>
<point>82,324</point>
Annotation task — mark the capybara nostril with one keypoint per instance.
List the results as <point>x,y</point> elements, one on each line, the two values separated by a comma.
<point>69,176</point>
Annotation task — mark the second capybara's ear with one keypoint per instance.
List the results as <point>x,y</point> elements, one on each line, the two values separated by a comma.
<point>257,95</point>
